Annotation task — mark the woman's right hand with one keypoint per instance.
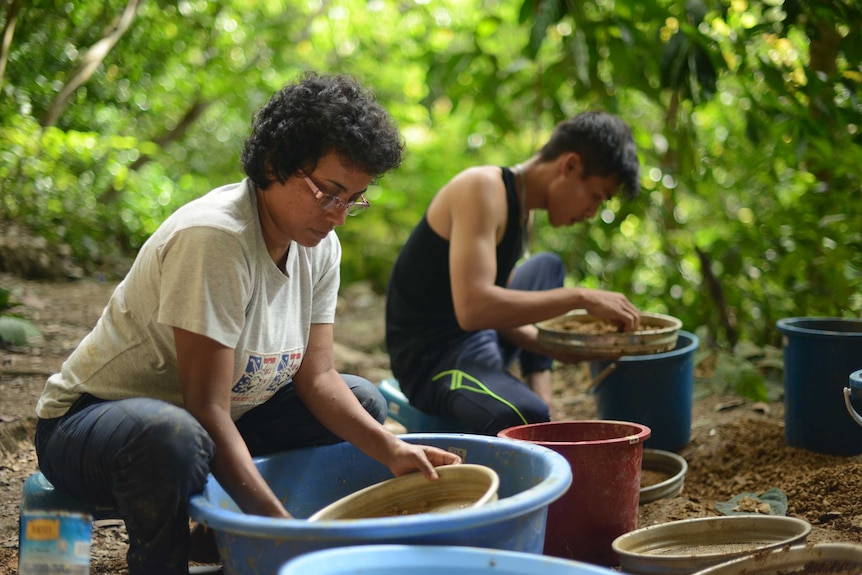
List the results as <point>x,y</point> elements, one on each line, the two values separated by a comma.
<point>409,458</point>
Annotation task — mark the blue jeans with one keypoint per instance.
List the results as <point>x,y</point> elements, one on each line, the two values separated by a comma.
<point>541,272</point>
<point>147,457</point>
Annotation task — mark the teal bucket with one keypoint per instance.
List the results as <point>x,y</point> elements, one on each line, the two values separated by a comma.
<point>820,353</point>
<point>656,390</point>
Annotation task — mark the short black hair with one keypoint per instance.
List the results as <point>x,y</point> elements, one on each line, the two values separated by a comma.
<point>316,115</point>
<point>605,144</point>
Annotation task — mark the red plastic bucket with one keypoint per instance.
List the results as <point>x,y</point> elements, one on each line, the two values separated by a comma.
<point>602,503</point>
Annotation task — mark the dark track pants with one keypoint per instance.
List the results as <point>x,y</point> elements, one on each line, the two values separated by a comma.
<point>471,381</point>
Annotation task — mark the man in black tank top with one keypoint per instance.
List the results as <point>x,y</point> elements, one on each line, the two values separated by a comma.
<point>460,309</point>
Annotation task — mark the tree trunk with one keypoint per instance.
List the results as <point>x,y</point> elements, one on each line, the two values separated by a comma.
<point>89,62</point>
<point>8,32</point>
<point>717,294</point>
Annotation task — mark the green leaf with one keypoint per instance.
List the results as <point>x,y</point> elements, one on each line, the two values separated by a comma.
<point>747,350</point>
<point>739,375</point>
<point>4,299</point>
<point>774,497</point>
<point>18,331</point>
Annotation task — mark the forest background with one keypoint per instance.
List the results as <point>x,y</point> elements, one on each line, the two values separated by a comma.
<point>746,113</point>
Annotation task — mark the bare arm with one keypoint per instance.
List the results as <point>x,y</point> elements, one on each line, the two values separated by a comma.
<point>205,371</point>
<point>330,400</point>
<point>471,211</point>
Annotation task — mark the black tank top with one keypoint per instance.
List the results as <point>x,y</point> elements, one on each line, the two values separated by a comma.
<point>420,315</point>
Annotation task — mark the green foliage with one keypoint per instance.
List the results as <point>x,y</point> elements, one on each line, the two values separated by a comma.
<point>747,117</point>
<point>53,181</point>
<point>749,213</point>
<point>733,373</point>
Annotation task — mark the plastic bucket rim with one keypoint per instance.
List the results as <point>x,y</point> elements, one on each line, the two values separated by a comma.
<point>489,484</point>
<point>688,348</point>
<point>618,544</point>
<point>681,470</point>
<point>431,556</point>
<point>643,433</point>
<point>236,523</point>
<point>789,558</point>
<point>787,325</point>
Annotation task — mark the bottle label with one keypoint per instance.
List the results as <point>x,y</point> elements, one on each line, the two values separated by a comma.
<point>55,543</point>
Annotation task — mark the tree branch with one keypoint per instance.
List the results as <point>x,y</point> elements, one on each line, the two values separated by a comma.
<point>89,62</point>
<point>192,114</point>
<point>8,33</point>
<point>717,294</point>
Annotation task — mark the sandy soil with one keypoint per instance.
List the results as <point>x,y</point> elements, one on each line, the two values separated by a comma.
<point>736,446</point>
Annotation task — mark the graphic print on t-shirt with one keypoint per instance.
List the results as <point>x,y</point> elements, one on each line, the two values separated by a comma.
<point>264,375</point>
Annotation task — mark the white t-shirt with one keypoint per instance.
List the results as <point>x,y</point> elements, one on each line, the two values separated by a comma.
<point>206,270</point>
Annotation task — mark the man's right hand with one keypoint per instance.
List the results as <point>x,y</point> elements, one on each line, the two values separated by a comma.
<point>612,306</point>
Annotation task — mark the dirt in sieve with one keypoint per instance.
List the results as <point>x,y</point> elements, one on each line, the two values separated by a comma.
<point>594,327</point>
<point>736,446</point>
<point>585,324</point>
<point>832,568</point>
<point>650,477</point>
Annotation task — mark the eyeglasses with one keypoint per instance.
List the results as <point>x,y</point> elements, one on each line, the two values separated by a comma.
<point>333,203</point>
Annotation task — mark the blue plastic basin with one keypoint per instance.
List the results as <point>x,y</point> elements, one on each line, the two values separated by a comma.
<point>433,560</point>
<point>531,477</point>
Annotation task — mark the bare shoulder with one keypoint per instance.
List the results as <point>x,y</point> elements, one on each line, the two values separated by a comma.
<point>475,197</point>
<point>478,177</point>
<point>480,186</point>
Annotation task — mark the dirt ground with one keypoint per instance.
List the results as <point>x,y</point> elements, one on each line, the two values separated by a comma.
<point>735,447</point>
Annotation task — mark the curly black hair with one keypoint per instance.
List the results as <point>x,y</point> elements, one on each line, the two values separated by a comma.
<point>316,115</point>
<point>605,144</point>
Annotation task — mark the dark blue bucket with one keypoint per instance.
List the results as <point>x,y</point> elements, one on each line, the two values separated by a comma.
<point>853,392</point>
<point>655,390</point>
<point>819,355</point>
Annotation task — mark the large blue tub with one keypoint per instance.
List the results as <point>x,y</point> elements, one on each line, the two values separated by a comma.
<point>531,477</point>
<point>433,560</point>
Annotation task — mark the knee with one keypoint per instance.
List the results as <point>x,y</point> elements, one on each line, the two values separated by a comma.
<point>542,271</point>
<point>528,409</point>
<point>540,414</point>
<point>369,396</point>
<point>552,264</point>
<point>172,440</point>
<point>537,412</point>
<point>489,418</point>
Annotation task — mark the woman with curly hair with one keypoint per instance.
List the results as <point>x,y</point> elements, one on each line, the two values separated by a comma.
<point>218,344</point>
